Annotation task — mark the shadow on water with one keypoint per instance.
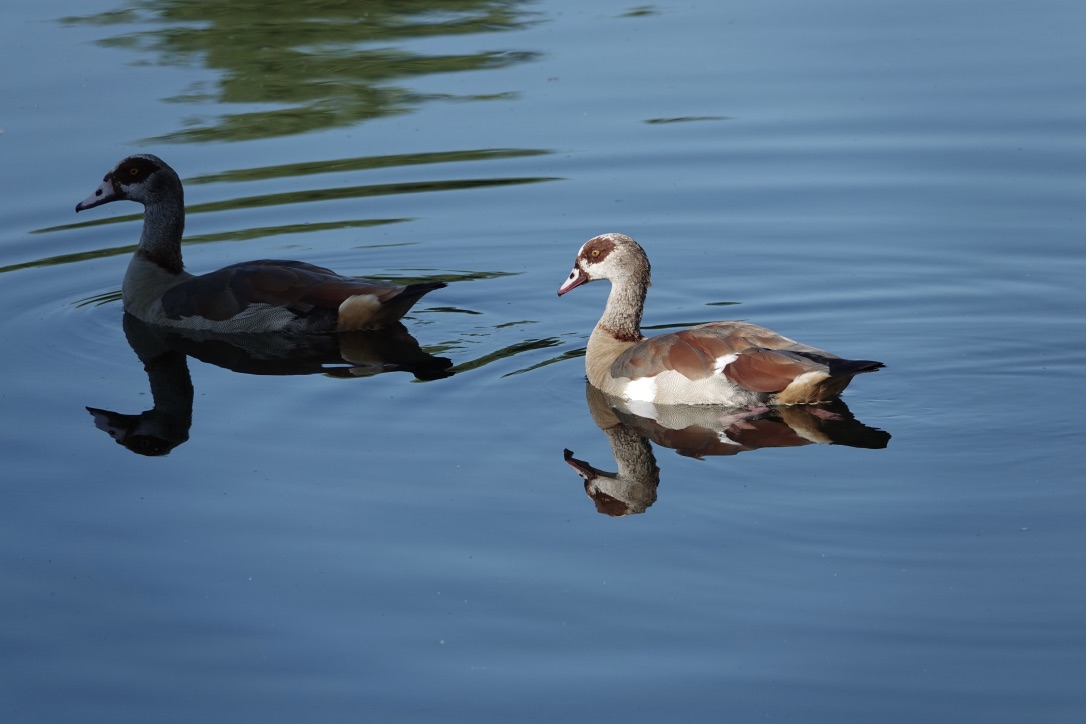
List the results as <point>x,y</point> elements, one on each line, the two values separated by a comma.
<point>318,65</point>
<point>164,353</point>
<point>698,432</point>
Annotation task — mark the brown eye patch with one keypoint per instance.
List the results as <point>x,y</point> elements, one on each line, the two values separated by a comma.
<point>135,170</point>
<point>597,249</point>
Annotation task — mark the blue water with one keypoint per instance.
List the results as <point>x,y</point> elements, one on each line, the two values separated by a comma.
<point>892,182</point>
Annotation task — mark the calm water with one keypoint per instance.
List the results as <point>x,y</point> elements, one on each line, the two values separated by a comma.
<point>891,181</point>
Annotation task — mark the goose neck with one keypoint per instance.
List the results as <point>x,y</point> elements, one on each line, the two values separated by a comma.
<point>163,227</point>
<point>622,315</point>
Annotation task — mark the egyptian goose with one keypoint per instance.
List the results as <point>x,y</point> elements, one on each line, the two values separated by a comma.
<point>721,363</point>
<point>254,296</point>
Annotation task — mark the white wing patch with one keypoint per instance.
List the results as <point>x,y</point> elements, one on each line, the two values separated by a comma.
<point>722,436</point>
<point>642,408</point>
<point>721,362</point>
<point>642,390</point>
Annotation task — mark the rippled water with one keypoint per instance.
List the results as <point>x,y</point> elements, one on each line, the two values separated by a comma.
<point>358,535</point>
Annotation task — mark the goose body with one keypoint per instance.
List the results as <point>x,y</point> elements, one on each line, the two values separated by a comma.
<point>267,295</point>
<point>734,364</point>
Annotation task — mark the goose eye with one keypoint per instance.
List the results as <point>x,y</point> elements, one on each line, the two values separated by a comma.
<point>133,171</point>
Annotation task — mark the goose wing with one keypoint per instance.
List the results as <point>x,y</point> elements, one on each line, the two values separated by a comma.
<point>749,356</point>
<point>294,285</point>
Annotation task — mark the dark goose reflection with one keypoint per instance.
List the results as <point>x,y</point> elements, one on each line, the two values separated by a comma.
<point>699,432</point>
<point>165,352</point>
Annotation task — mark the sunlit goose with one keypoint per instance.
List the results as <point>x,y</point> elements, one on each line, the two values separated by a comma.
<point>254,296</point>
<point>722,363</point>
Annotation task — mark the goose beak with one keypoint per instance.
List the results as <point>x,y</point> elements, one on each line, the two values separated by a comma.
<point>583,469</point>
<point>102,195</point>
<point>576,279</point>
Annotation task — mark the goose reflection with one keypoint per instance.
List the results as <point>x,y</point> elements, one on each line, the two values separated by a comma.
<point>698,432</point>
<point>165,352</point>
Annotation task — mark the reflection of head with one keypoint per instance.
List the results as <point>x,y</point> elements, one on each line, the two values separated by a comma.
<point>166,425</point>
<point>633,488</point>
<point>617,497</point>
<point>132,431</point>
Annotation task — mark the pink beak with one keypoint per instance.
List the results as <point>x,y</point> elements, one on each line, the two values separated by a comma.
<point>105,193</point>
<point>576,279</point>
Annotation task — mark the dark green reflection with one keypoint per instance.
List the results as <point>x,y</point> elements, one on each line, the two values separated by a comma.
<point>363,163</point>
<point>324,194</point>
<point>507,352</point>
<point>309,168</point>
<point>319,64</point>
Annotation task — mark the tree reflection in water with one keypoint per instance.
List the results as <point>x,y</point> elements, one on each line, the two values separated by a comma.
<point>321,65</point>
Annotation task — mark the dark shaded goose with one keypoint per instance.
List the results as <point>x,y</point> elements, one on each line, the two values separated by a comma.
<point>720,363</point>
<point>254,296</point>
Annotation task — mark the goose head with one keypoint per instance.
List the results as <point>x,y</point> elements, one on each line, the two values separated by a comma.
<point>143,178</point>
<point>616,257</point>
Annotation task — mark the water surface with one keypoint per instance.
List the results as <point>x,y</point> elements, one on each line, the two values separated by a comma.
<point>893,182</point>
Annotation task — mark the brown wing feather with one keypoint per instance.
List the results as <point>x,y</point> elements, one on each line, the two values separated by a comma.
<point>690,352</point>
<point>301,287</point>
<point>765,361</point>
<point>693,352</point>
<point>765,370</point>
<point>688,355</point>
